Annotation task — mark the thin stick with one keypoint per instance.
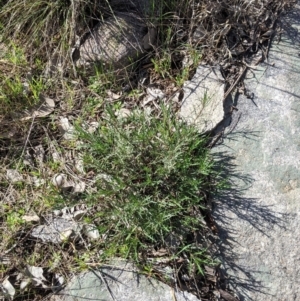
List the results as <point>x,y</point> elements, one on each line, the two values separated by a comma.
<point>8,191</point>
<point>106,285</point>
<point>235,83</point>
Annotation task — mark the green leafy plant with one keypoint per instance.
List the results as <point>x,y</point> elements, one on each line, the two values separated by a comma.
<point>14,219</point>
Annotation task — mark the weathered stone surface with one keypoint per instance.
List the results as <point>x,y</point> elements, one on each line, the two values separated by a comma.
<point>120,283</point>
<point>202,104</point>
<point>56,230</point>
<point>115,43</point>
<point>259,220</point>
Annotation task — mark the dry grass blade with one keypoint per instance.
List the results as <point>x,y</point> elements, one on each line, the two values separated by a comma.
<point>49,25</point>
<point>229,31</point>
<point>138,165</point>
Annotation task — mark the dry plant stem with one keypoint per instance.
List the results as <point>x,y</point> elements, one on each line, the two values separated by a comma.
<point>173,294</point>
<point>242,73</point>
<point>216,45</point>
<point>8,192</point>
<point>230,89</point>
<point>99,264</point>
<point>105,283</point>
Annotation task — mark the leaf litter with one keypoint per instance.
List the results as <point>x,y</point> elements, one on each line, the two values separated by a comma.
<point>235,35</point>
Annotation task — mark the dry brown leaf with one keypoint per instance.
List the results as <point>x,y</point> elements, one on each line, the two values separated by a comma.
<point>7,289</point>
<point>45,108</point>
<point>112,95</point>
<point>31,218</point>
<point>227,296</point>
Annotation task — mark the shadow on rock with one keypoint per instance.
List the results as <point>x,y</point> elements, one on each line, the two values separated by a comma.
<point>232,205</point>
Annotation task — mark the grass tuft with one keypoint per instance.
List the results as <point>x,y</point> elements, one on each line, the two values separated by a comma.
<point>148,177</point>
<point>154,174</point>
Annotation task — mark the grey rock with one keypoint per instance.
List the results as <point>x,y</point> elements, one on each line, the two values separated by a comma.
<point>259,220</point>
<point>115,43</point>
<point>202,104</point>
<point>91,231</point>
<point>121,283</point>
<point>56,230</point>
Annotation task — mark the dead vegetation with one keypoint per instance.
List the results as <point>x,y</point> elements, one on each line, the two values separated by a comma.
<point>235,35</point>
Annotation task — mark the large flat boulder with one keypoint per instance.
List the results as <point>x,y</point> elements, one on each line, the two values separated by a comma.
<point>259,219</point>
<point>120,282</point>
